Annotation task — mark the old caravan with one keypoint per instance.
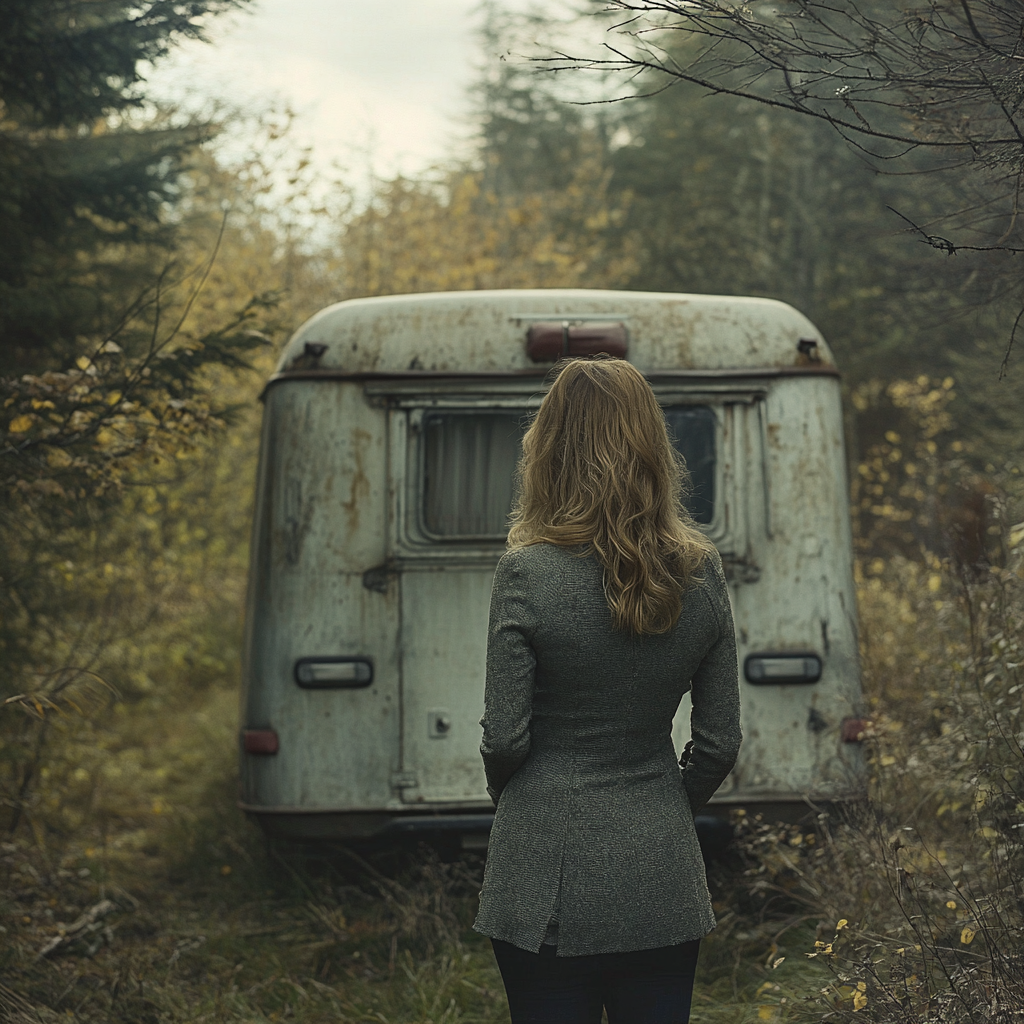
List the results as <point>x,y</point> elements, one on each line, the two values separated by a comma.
<point>390,434</point>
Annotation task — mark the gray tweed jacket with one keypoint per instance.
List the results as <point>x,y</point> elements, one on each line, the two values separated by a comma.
<point>594,821</point>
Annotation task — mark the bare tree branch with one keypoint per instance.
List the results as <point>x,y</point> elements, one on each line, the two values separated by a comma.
<point>916,86</point>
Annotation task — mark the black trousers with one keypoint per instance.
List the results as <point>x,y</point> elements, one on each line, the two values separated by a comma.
<point>650,986</point>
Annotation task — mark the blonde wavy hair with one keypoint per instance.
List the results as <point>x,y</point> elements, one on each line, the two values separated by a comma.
<point>598,469</point>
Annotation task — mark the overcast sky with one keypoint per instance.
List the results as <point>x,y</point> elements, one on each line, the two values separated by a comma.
<point>386,79</point>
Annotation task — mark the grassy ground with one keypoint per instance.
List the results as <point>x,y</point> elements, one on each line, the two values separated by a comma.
<point>340,945</point>
<point>202,920</point>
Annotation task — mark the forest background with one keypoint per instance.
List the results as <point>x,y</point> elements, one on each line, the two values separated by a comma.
<point>147,281</point>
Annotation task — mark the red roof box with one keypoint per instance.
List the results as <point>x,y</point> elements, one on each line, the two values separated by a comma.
<point>551,340</point>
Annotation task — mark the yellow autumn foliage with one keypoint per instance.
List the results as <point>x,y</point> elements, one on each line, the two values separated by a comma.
<point>452,234</point>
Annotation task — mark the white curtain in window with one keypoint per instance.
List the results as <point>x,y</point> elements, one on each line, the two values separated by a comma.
<point>469,463</point>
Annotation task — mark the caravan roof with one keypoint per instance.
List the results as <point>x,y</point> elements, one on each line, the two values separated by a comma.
<point>484,332</point>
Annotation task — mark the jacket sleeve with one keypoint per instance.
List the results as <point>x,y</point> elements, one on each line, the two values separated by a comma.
<point>511,669</point>
<point>715,715</point>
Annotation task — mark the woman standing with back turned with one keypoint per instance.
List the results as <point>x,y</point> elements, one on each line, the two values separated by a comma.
<point>607,607</point>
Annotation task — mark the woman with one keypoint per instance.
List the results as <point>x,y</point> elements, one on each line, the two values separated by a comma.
<point>607,607</point>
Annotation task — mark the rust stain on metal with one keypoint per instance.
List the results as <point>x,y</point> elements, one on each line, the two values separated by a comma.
<point>297,515</point>
<point>359,486</point>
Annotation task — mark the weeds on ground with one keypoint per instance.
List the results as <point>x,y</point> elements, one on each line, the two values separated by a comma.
<point>226,929</point>
<point>920,892</point>
<point>212,924</point>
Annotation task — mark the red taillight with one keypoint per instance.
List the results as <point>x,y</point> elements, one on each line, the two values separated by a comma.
<point>546,342</point>
<point>259,741</point>
<point>853,730</point>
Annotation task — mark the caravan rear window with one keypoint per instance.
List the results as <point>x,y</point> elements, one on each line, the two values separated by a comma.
<point>692,431</point>
<point>469,461</point>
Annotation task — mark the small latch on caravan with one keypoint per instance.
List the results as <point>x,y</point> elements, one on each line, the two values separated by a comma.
<point>439,723</point>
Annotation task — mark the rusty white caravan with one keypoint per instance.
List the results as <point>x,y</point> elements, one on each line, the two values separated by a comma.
<point>391,430</point>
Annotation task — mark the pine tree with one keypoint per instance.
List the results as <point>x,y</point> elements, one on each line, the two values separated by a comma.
<point>87,171</point>
<point>109,360</point>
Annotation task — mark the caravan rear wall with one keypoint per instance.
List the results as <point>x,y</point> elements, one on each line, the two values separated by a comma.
<point>391,431</point>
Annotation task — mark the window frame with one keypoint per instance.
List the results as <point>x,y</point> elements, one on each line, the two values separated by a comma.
<point>407,538</point>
